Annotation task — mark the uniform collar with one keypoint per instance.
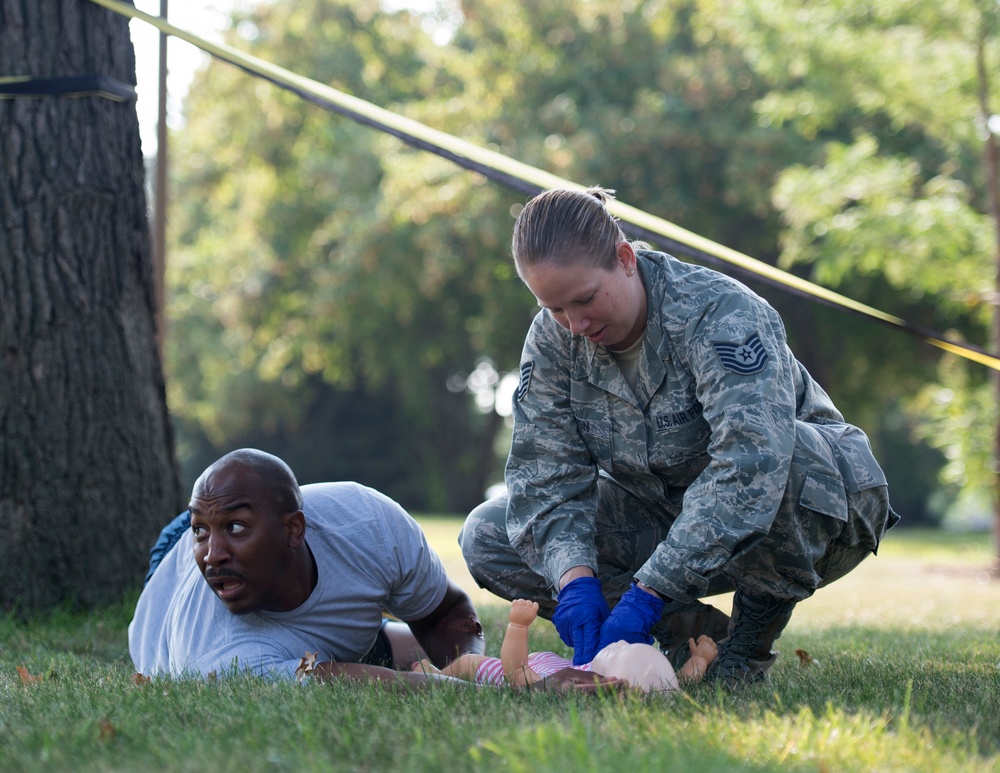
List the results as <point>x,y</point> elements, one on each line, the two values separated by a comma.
<point>602,369</point>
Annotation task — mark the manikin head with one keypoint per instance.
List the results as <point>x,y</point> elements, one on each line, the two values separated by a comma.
<point>641,665</point>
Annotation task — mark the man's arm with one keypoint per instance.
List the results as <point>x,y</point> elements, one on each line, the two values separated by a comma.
<point>452,629</point>
<point>565,681</point>
<point>361,672</point>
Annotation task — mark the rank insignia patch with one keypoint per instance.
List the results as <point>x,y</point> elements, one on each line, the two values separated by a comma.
<point>522,387</point>
<point>745,358</point>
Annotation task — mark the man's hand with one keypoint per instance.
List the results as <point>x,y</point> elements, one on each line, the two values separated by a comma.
<point>578,617</point>
<point>573,680</point>
<point>452,629</point>
<point>632,618</point>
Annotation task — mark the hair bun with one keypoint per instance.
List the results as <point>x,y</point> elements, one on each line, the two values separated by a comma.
<point>603,195</point>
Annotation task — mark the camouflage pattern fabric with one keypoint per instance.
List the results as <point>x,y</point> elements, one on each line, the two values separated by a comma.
<point>627,533</point>
<point>726,466</point>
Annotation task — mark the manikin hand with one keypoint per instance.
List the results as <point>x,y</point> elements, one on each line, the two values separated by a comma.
<point>523,612</point>
<point>705,648</point>
<point>703,652</point>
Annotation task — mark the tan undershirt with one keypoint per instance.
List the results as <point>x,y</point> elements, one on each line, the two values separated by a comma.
<point>628,361</point>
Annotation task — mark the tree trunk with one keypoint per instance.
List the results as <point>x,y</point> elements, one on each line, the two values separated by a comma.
<point>87,468</point>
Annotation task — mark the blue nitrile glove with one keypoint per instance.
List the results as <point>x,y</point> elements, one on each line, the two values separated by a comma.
<point>578,617</point>
<point>632,618</point>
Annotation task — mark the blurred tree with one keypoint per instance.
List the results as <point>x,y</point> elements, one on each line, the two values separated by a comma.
<point>87,473</point>
<point>910,199</point>
<point>291,267</point>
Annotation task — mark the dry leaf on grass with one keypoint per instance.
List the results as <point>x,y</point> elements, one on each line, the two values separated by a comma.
<point>805,659</point>
<point>306,665</point>
<point>27,677</point>
<point>107,731</point>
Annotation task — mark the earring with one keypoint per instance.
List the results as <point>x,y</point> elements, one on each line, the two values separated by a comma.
<point>631,271</point>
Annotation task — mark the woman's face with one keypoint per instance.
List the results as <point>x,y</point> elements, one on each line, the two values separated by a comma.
<point>606,306</point>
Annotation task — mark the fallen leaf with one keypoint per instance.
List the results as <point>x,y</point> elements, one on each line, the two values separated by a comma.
<point>805,659</point>
<point>26,677</point>
<point>306,665</point>
<point>107,731</point>
<point>140,679</point>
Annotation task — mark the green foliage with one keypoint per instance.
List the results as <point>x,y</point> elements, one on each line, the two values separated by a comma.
<point>868,214</point>
<point>296,271</point>
<point>630,98</point>
<point>899,192</point>
<point>953,409</point>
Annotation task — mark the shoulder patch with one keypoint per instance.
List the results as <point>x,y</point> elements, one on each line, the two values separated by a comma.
<point>746,358</point>
<point>522,387</point>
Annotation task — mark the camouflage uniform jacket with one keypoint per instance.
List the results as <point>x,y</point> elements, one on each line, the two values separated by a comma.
<point>707,436</point>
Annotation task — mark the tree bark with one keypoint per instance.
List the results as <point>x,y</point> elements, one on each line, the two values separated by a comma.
<point>87,467</point>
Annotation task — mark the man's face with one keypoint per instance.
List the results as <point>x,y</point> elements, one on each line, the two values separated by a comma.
<point>242,545</point>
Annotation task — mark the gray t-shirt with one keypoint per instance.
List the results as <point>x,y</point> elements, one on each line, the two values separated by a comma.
<point>371,556</point>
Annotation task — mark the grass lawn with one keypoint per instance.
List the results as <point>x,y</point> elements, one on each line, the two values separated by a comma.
<point>906,677</point>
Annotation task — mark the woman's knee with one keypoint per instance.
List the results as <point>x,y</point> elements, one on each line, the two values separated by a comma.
<point>484,532</point>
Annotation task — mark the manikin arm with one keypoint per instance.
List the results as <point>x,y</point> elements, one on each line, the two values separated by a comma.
<point>514,650</point>
<point>703,652</point>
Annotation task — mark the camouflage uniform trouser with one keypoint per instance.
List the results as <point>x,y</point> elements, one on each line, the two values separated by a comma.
<point>804,550</point>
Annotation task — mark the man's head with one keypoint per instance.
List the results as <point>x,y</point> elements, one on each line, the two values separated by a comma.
<point>249,533</point>
<point>641,665</point>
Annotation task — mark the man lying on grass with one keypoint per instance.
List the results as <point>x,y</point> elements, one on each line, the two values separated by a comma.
<point>261,571</point>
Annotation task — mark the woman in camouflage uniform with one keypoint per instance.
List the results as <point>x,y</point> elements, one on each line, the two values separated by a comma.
<point>667,446</point>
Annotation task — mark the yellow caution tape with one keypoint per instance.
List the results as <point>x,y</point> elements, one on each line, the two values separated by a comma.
<point>482,158</point>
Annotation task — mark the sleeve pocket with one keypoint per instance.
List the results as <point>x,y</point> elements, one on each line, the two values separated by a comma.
<point>524,456</point>
<point>824,494</point>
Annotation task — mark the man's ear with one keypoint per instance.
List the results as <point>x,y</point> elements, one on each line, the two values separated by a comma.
<point>295,523</point>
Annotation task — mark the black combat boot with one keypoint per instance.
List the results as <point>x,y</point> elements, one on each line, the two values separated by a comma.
<point>746,656</point>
